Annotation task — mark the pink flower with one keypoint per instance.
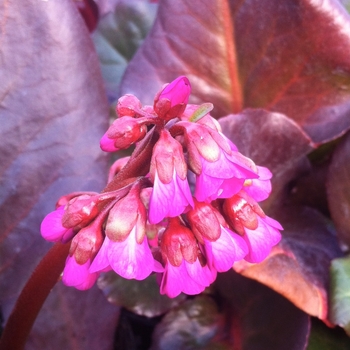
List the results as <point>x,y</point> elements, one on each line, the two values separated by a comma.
<point>262,239</point>
<point>78,275</point>
<point>171,194</point>
<point>188,278</point>
<point>183,271</point>
<point>125,248</point>
<point>128,258</point>
<point>52,229</point>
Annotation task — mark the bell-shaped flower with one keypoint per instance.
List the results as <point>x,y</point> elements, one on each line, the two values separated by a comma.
<point>184,269</point>
<point>125,248</point>
<point>171,194</point>
<point>171,101</point>
<point>259,231</point>
<point>222,247</point>
<point>220,171</point>
<point>123,133</point>
<point>83,249</point>
<point>52,228</point>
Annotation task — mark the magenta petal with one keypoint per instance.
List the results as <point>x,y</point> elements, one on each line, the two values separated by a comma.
<point>107,144</point>
<point>51,227</point>
<point>176,280</point>
<point>100,262</point>
<point>201,274</point>
<point>169,200</point>
<point>77,275</point>
<point>260,189</point>
<point>261,240</point>
<point>130,259</point>
<point>229,248</point>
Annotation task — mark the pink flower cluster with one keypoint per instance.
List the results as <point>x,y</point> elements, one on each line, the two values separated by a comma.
<point>191,212</point>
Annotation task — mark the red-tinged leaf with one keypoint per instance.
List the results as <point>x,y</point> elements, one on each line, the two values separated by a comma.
<point>298,268</point>
<point>72,319</point>
<point>53,113</point>
<point>271,140</point>
<point>258,318</point>
<point>286,56</point>
<point>338,189</point>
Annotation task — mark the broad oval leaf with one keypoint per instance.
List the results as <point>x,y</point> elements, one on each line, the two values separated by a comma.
<point>286,56</point>
<point>298,268</point>
<point>53,112</point>
<point>338,189</point>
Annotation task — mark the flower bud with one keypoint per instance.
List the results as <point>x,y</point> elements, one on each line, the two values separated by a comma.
<point>123,133</point>
<point>116,167</point>
<point>242,211</point>
<point>86,243</point>
<point>80,211</point>
<point>125,215</point>
<point>128,105</point>
<point>204,222</point>
<point>171,101</point>
<point>178,243</point>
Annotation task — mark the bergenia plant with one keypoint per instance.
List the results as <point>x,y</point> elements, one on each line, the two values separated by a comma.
<point>198,154</point>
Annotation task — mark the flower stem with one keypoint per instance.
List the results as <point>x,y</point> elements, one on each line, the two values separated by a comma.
<point>32,297</point>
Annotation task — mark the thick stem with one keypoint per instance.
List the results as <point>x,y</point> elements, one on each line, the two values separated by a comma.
<point>32,298</point>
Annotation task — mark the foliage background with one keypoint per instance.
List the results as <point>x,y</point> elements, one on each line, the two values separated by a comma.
<point>278,73</point>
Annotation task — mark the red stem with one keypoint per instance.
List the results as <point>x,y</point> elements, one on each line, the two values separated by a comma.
<point>32,297</point>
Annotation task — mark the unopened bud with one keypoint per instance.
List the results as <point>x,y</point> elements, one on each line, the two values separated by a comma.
<point>127,213</point>
<point>80,211</point>
<point>128,105</point>
<point>178,243</point>
<point>204,222</point>
<point>123,133</point>
<point>172,99</point>
<point>242,211</point>
<point>86,244</point>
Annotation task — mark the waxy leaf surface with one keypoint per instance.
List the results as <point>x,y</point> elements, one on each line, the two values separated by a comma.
<point>298,267</point>
<point>53,112</point>
<point>285,56</point>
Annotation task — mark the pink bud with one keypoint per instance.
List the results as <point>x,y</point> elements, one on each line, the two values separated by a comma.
<point>172,99</point>
<point>178,243</point>
<point>128,105</point>
<point>86,243</point>
<point>123,133</point>
<point>204,221</point>
<point>242,212</point>
<point>80,211</point>
<point>127,213</point>
<point>116,167</point>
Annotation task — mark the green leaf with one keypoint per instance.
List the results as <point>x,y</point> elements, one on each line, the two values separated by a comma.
<point>140,297</point>
<point>325,338</point>
<point>340,293</point>
<point>118,36</point>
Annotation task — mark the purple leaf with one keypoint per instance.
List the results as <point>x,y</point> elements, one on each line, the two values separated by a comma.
<point>285,56</point>
<point>298,268</point>
<point>271,140</point>
<point>72,319</point>
<point>54,111</point>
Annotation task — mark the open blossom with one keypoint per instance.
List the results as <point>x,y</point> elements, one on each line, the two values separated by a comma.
<point>183,271</point>
<point>171,193</point>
